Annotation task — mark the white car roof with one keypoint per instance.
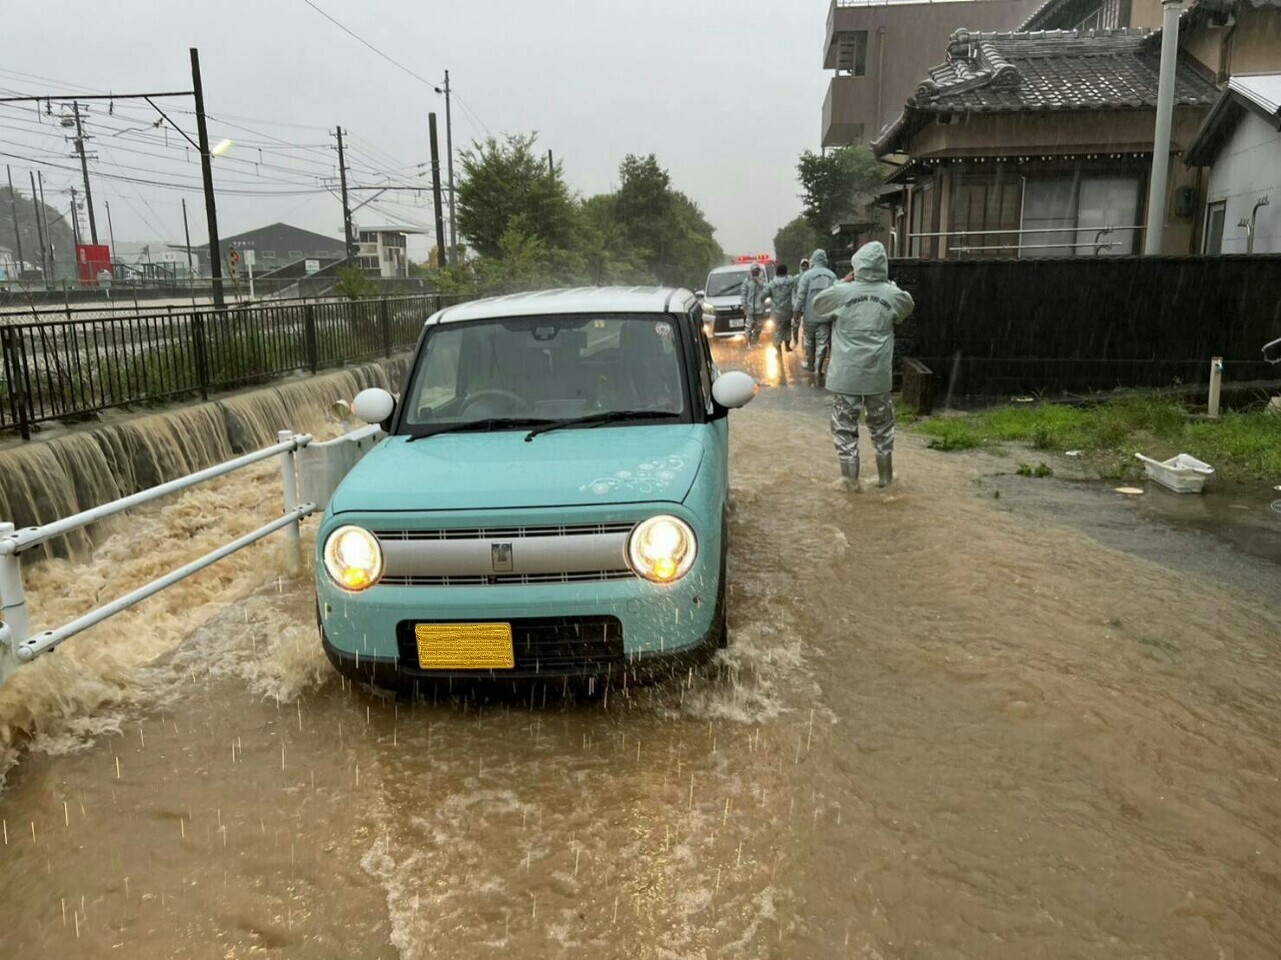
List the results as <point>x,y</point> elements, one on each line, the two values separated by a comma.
<point>575,300</point>
<point>736,267</point>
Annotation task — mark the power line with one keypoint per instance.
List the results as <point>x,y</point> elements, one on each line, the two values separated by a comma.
<point>356,36</point>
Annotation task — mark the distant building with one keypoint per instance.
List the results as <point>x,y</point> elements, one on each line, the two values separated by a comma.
<point>8,264</point>
<point>279,245</point>
<point>383,251</point>
<point>151,260</point>
<point>878,51</point>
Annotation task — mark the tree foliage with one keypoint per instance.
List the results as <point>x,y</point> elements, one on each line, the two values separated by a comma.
<point>795,241</point>
<point>529,231</point>
<point>503,180</point>
<point>837,187</point>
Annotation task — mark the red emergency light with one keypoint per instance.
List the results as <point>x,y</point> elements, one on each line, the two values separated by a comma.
<point>759,258</point>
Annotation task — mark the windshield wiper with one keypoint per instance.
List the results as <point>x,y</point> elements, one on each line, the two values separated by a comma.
<point>601,419</point>
<point>485,425</point>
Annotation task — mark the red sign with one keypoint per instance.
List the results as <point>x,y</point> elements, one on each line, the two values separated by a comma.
<point>91,260</point>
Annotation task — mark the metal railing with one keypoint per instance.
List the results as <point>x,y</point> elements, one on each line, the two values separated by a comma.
<point>18,646</point>
<point>56,368</point>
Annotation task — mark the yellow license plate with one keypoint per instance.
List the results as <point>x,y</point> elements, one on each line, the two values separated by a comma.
<point>464,646</point>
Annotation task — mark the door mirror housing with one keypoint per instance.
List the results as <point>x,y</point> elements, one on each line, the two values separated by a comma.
<point>373,405</point>
<point>700,294</point>
<point>733,389</point>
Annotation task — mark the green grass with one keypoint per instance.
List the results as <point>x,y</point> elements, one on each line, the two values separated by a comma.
<point>1242,445</point>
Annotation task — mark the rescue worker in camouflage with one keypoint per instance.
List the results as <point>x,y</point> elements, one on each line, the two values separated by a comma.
<point>780,291</point>
<point>818,327</point>
<point>752,296</point>
<point>861,375</point>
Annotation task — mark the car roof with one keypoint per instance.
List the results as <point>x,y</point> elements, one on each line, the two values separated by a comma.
<point>735,267</point>
<point>570,300</point>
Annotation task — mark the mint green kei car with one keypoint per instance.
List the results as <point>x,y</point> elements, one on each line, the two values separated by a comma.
<point>549,502</point>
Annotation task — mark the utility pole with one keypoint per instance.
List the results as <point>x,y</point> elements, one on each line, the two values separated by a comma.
<point>17,234</point>
<point>186,233</point>
<point>449,159</point>
<point>44,215</point>
<point>111,235</point>
<point>435,191</point>
<point>342,183</point>
<point>206,170</point>
<point>84,170</point>
<point>75,219</point>
<point>44,266</point>
<point>1160,178</point>
<point>551,164</point>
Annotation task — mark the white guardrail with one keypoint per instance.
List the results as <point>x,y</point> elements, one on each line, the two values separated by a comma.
<point>17,646</point>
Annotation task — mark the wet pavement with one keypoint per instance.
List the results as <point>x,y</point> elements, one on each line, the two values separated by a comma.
<point>948,725</point>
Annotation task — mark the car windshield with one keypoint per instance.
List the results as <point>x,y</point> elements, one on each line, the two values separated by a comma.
<point>544,370</point>
<point>725,284</point>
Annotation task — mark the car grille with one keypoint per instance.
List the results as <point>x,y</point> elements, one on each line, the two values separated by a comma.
<point>506,533</point>
<point>509,579</point>
<point>554,645</point>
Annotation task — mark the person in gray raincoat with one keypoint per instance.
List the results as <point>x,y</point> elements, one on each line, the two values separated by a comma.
<point>818,327</point>
<point>752,296</point>
<point>780,291</point>
<point>861,374</point>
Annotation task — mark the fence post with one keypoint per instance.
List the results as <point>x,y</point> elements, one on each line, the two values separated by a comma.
<point>1216,386</point>
<point>13,604</point>
<point>309,336</point>
<point>384,315</point>
<point>289,482</point>
<point>15,375</point>
<point>202,353</point>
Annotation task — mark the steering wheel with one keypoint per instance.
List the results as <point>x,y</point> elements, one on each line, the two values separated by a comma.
<point>516,403</point>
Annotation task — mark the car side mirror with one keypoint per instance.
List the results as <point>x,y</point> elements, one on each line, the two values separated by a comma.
<point>700,294</point>
<point>373,405</point>
<point>733,389</point>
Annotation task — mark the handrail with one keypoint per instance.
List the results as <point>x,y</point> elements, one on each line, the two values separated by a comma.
<point>16,644</point>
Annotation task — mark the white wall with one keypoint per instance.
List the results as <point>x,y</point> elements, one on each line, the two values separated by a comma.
<point>1247,168</point>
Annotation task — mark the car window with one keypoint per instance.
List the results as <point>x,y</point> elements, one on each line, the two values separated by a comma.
<point>725,284</point>
<point>549,368</point>
<point>704,357</point>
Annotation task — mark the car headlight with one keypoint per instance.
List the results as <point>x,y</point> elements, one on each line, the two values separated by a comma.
<point>353,558</point>
<point>662,549</point>
<point>708,308</point>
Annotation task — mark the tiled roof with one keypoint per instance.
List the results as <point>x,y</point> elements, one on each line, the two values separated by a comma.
<point>1052,70</point>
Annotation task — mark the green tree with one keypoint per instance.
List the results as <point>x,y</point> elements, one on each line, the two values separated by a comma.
<point>838,186</point>
<point>795,241</point>
<point>354,285</point>
<point>503,180</point>
<point>664,229</point>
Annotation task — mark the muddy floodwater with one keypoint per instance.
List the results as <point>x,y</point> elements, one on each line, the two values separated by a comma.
<point>949,725</point>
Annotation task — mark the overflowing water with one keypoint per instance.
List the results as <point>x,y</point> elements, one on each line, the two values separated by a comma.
<point>941,730</point>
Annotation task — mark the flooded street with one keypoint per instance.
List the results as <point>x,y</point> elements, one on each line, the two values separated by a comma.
<point>946,726</point>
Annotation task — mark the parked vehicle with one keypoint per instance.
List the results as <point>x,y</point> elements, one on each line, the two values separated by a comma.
<point>550,501</point>
<point>722,296</point>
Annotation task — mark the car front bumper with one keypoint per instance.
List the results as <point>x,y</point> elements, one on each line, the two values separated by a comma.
<point>616,627</point>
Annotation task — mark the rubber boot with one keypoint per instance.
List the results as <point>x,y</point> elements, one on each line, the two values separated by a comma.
<point>884,469</point>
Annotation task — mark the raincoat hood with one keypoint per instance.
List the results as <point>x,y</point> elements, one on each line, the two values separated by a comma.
<point>818,259</point>
<point>870,263</point>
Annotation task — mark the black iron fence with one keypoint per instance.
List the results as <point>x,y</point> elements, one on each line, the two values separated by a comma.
<point>1009,327</point>
<point>55,369</point>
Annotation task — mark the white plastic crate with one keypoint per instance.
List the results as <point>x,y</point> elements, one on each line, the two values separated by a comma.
<point>1182,474</point>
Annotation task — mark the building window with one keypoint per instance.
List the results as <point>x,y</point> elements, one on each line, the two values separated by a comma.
<point>851,56</point>
<point>1071,217</point>
<point>1215,214</point>
<point>295,254</point>
<point>268,254</point>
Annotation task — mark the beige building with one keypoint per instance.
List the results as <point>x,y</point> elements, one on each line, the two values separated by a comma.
<point>878,50</point>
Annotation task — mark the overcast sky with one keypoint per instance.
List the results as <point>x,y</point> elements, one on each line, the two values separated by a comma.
<point>727,96</point>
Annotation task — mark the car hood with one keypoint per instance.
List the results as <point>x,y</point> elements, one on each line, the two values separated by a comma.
<point>492,471</point>
<point>729,300</point>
